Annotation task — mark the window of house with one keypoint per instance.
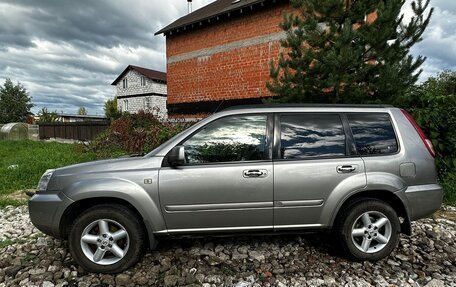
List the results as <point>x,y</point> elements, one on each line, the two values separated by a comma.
<point>143,81</point>
<point>373,133</point>
<point>125,83</point>
<point>234,138</point>
<point>125,104</point>
<point>305,136</point>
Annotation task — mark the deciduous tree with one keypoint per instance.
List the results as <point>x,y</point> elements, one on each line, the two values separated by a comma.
<point>110,108</point>
<point>15,103</point>
<point>82,111</point>
<point>47,117</point>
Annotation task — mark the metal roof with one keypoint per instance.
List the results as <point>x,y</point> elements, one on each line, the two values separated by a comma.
<point>213,10</point>
<point>151,74</point>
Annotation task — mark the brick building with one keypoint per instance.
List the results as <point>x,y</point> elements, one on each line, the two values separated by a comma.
<point>219,55</point>
<point>141,89</point>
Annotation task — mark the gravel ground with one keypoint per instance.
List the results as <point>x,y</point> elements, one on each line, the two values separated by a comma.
<point>428,258</point>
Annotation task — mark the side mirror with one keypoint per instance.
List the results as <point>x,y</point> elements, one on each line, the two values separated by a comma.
<point>176,156</point>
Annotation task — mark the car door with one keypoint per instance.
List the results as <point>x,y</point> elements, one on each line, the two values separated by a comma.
<point>311,160</point>
<point>227,181</point>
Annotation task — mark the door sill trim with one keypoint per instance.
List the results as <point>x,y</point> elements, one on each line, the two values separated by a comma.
<point>239,228</point>
<point>298,226</point>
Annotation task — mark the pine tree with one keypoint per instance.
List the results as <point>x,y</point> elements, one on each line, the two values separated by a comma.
<point>348,51</point>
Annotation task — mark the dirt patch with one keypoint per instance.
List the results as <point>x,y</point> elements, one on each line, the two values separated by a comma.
<point>17,195</point>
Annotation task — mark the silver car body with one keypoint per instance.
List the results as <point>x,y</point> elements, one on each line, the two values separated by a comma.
<point>217,197</point>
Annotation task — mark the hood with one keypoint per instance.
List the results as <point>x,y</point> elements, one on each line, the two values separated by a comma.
<point>111,168</point>
<point>110,165</point>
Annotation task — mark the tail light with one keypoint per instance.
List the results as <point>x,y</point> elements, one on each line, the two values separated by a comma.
<point>427,142</point>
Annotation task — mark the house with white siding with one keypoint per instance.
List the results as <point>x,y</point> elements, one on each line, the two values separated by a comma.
<point>141,89</point>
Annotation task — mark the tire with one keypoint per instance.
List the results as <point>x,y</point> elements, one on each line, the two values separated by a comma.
<point>367,229</point>
<point>107,238</point>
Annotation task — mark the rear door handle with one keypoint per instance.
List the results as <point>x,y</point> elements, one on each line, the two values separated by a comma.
<point>255,173</point>
<point>346,168</point>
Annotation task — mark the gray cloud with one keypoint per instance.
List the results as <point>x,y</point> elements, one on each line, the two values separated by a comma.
<point>105,23</point>
<point>439,39</point>
<point>67,53</point>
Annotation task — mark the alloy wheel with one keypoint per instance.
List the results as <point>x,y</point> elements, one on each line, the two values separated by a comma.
<point>105,241</point>
<point>371,232</point>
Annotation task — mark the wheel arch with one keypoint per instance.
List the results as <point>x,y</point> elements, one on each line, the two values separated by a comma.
<point>78,207</point>
<point>386,196</point>
<point>123,191</point>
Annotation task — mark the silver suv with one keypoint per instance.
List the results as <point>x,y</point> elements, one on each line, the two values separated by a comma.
<point>362,172</point>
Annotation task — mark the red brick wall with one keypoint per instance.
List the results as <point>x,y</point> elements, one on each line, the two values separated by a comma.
<point>241,73</point>
<point>246,26</point>
<point>235,74</point>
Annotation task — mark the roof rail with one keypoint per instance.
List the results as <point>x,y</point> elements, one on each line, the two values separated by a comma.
<point>308,106</point>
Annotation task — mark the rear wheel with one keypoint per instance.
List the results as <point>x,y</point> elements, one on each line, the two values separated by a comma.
<point>368,230</point>
<point>107,239</point>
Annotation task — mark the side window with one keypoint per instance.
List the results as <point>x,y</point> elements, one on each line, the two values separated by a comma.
<point>311,135</point>
<point>234,138</point>
<point>373,133</point>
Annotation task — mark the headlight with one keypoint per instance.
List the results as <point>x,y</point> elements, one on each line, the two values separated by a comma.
<point>42,185</point>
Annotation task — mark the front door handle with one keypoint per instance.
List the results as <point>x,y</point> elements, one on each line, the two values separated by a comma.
<point>346,168</point>
<point>255,173</point>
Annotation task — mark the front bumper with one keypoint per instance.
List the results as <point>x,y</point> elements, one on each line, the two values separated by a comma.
<point>46,211</point>
<point>423,200</point>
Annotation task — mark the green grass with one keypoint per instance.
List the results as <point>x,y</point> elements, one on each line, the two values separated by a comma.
<point>8,201</point>
<point>32,159</point>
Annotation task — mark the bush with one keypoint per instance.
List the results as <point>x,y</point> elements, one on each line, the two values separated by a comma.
<point>433,105</point>
<point>448,182</point>
<point>134,134</point>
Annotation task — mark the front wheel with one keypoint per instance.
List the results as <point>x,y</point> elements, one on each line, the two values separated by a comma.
<point>368,230</point>
<point>107,239</point>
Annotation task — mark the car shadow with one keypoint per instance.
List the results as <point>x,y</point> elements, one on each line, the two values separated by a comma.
<point>323,242</point>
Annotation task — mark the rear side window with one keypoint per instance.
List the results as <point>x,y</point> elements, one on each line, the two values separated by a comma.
<point>311,135</point>
<point>373,133</point>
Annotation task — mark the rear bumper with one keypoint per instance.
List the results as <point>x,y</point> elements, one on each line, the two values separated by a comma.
<point>45,211</point>
<point>423,200</point>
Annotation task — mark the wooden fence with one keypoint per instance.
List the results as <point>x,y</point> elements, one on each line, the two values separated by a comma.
<point>82,131</point>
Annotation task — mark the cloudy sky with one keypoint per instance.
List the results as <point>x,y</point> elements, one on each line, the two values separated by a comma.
<point>67,53</point>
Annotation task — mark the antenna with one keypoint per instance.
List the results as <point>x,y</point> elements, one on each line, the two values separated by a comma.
<point>218,107</point>
<point>189,6</point>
